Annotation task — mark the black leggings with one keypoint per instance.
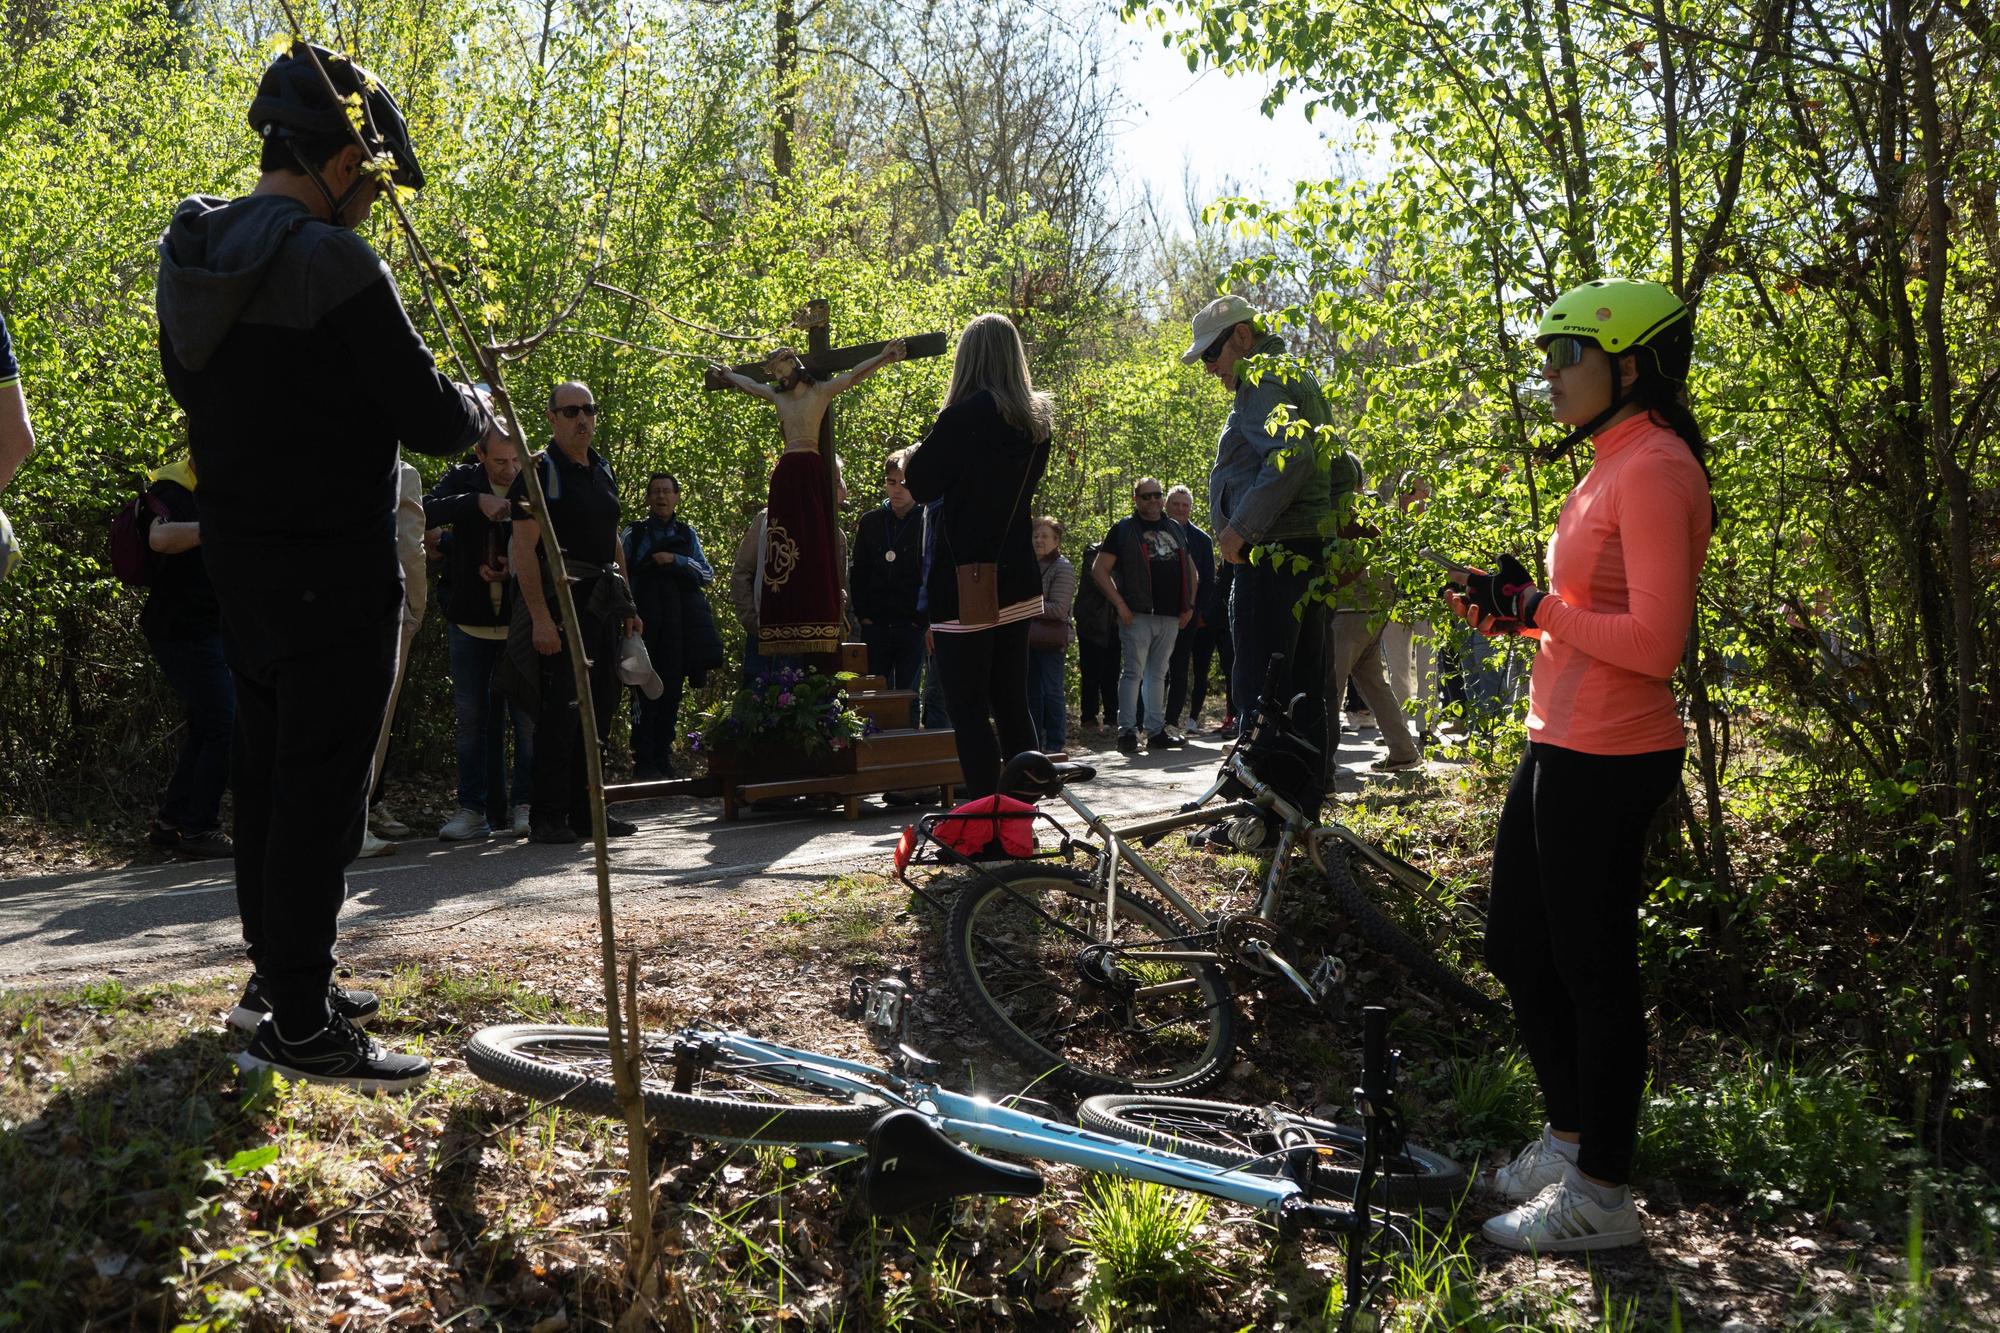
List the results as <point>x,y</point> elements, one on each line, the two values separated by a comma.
<point>985,678</point>
<point>1562,935</point>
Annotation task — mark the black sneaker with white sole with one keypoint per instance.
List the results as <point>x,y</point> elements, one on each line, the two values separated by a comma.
<point>356,1006</point>
<point>339,1054</point>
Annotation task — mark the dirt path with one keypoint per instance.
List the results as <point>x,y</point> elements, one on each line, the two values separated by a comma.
<point>150,922</point>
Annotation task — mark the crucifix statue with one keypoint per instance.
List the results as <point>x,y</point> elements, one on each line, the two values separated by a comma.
<point>799,579</point>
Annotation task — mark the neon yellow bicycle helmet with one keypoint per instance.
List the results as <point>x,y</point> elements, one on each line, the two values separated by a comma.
<point>1621,315</point>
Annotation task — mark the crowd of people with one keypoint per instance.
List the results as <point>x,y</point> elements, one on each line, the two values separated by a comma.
<point>285,627</point>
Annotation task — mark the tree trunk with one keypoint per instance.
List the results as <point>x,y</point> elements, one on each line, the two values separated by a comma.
<point>785,67</point>
<point>1963,816</point>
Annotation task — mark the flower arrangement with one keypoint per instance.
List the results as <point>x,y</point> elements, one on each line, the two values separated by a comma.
<point>786,708</point>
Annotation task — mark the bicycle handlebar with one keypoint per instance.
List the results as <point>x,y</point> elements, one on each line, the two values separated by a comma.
<point>1273,671</point>
<point>1375,1049</point>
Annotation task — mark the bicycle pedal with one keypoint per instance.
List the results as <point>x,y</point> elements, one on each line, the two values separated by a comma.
<point>1327,976</point>
<point>884,1004</point>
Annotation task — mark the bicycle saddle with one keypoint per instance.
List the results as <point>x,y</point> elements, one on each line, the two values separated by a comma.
<point>911,1163</point>
<point>1032,776</point>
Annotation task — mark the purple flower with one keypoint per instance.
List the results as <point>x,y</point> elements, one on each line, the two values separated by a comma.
<point>785,699</point>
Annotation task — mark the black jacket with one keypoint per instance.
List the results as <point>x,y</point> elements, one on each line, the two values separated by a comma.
<point>180,601</point>
<point>1096,618</point>
<point>986,473</point>
<point>672,599</point>
<point>285,341</point>
<point>474,540</point>
<point>1201,548</point>
<point>883,590</point>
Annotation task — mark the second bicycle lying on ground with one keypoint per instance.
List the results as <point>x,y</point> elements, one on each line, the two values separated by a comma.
<point>1100,984</point>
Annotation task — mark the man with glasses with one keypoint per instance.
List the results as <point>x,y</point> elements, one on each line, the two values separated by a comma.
<point>470,503</point>
<point>1144,571</point>
<point>583,509</point>
<point>884,579</point>
<point>1269,493</point>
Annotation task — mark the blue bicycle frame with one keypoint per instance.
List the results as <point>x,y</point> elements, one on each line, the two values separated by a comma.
<point>984,1123</point>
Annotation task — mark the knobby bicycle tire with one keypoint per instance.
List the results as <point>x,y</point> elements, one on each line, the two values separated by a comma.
<point>1229,1134</point>
<point>1015,947</point>
<point>573,1065</point>
<point>1376,927</point>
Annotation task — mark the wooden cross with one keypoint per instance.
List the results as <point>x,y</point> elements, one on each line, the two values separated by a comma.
<point>823,360</point>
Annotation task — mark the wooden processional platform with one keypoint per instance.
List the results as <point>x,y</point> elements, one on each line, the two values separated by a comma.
<point>897,756</point>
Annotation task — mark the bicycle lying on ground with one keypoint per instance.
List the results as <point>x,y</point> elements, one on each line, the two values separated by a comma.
<point>1098,988</point>
<point>721,1084</point>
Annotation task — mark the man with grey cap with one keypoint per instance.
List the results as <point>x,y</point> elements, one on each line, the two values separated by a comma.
<point>1267,492</point>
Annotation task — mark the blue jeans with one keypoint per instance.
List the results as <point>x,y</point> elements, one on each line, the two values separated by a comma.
<point>1147,645</point>
<point>199,674</point>
<point>482,729</point>
<point>1493,678</point>
<point>1045,697</point>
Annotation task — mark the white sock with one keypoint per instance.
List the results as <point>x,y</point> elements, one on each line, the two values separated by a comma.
<point>1563,1148</point>
<point>1604,1196</point>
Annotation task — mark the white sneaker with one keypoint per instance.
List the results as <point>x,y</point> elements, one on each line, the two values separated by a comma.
<point>373,846</point>
<point>1534,1168</point>
<point>520,821</point>
<point>1566,1216</point>
<point>467,823</point>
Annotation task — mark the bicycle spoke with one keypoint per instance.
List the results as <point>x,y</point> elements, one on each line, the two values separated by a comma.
<point>1043,964</point>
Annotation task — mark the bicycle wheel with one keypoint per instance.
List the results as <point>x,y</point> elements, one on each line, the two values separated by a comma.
<point>1376,927</point>
<point>1027,953</point>
<point>737,1096</point>
<point>1228,1134</point>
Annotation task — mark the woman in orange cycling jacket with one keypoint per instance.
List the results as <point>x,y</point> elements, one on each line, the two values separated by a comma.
<point>1605,748</point>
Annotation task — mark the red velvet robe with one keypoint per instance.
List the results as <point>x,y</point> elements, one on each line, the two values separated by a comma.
<point>798,601</point>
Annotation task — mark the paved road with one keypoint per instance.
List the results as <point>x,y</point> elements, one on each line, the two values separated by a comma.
<point>156,922</point>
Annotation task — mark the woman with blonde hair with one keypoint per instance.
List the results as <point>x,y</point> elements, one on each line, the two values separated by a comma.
<point>983,458</point>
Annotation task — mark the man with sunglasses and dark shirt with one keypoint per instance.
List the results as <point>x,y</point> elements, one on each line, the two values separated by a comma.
<point>1267,491</point>
<point>583,509</point>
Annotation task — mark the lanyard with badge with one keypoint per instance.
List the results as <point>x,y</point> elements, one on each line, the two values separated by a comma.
<point>895,527</point>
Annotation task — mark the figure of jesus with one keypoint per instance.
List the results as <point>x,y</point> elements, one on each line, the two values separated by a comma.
<point>798,595</point>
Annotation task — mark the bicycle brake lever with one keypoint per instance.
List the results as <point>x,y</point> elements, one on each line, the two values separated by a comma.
<point>914,1063</point>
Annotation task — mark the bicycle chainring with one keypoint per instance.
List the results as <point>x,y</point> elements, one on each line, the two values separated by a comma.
<point>1235,933</point>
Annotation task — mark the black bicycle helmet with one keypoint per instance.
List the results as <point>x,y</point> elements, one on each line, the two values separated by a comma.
<point>292,101</point>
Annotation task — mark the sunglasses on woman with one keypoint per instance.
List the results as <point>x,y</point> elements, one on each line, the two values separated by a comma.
<point>1564,352</point>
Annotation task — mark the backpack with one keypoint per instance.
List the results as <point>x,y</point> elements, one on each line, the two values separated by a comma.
<point>131,553</point>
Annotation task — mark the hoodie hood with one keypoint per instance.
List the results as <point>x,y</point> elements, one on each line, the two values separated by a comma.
<point>213,259</point>
<point>180,472</point>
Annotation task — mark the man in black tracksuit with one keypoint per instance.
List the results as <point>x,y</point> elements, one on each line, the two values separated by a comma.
<point>284,339</point>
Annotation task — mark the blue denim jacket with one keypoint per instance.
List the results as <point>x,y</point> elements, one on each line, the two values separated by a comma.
<point>1268,488</point>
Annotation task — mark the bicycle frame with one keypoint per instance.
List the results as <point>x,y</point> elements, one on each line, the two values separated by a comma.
<point>1116,850</point>
<point>982,1122</point>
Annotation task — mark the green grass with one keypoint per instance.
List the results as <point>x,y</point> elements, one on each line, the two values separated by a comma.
<point>123,1132</point>
<point>1784,1134</point>
<point>1148,1247</point>
<point>1496,1100</point>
